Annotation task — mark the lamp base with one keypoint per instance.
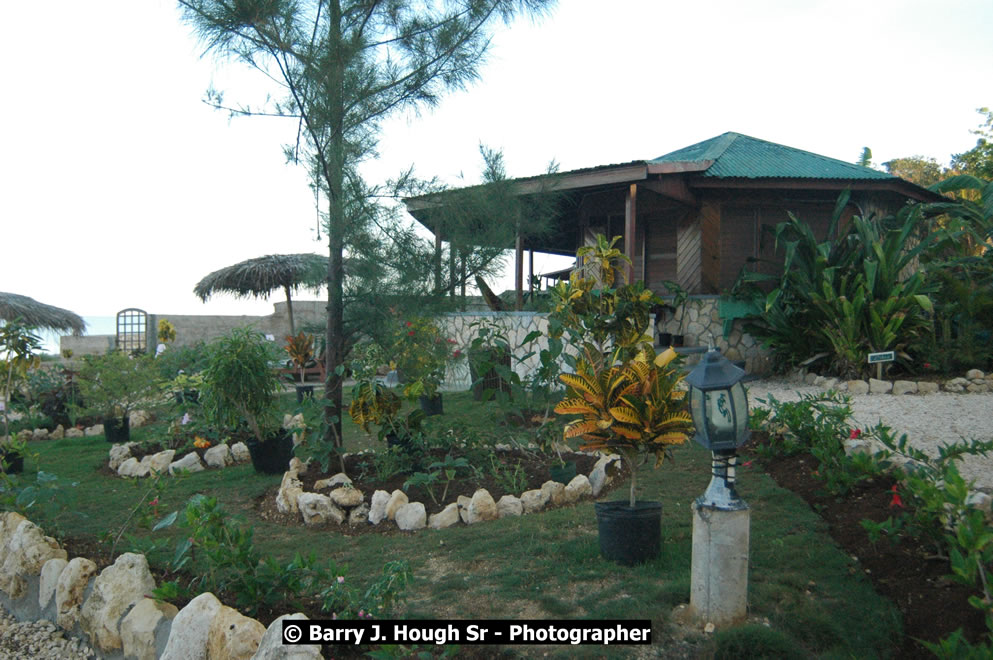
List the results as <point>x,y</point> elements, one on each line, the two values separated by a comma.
<point>719,570</point>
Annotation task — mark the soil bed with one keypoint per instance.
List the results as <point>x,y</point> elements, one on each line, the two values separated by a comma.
<point>906,572</point>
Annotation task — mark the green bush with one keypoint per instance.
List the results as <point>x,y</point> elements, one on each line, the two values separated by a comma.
<point>755,642</point>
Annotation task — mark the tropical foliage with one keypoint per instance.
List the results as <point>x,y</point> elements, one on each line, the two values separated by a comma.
<point>632,408</point>
<point>115,384</point>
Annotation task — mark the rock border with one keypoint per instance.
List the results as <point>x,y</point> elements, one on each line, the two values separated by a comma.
<point>343,502</point>
<point>974,382</point>
<point>112,613</point>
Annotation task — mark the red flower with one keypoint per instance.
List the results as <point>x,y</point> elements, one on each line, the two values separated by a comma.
<point>409,323</point>
<point>746,464</point>
<point>411,333</point>
<point>927,365</point>
<point>457,354</point>
<point>450,341</point>
<point>896,502</point>
<point>154,502</point>
<point>854,434</point>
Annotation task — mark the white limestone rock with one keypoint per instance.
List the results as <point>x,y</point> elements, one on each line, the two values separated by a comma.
<point>38,435</point>
<point>69,590</point>
<point>58,433</point>
<point>138,418</point>
<point>95,430</point>
<point>481,507</point>
<point>576,488</point>
<point>858,387</point>
<point>604,471</point>
<point>23,555</point>
<point>159,463</point>
<point>74,433</point>
<point>359,515</point>
<point>189,463</point>
<point>191,629</point>
<point>218,456</point>
<point>411,516</point>
<point>904,387</point>
<point>273,648</point>
<point>880,386</point>
<point>377,508</point>
<point>240,453</point>
<point>116,589</point>
<point>925,387</point>
<point>533,500</point>
<point>49,577</point>
<point>318,509</point>
<point>445,518</point>
<point>233,636</point>
<point>463,503</point>
<point>509,506</point>
<point>553,491</point>
<point>119,454</point>
<point>340,479</point>
<point>139,626</point>
<point>132,468</point>
<point>290,490</point>
<point>346,497</point>
<point>974,374</point>
<point>397,499</point>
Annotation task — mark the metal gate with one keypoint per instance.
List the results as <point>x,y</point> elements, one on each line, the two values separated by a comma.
<point>132,325</point>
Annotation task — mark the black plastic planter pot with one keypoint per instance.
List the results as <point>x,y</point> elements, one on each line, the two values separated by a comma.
<point>304,392</point>
<point>11,462</point>
<point>432,405</point>
<point>677,340</point>
<point>481,382</point>
<point>563,473</point>
<point>665,339</point>
<point>629,535</point>
<point>117,429</point>
<point>272,456</point>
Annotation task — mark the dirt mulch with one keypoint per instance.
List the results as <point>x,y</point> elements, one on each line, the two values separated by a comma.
<point>907,573</point>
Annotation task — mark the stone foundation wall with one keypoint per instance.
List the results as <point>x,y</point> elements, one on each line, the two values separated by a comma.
<point>702,321</point>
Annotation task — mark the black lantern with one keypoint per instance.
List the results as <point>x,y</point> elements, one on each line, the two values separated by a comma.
<point>719,407</point>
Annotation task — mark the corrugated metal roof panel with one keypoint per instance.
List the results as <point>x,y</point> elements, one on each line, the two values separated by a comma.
<point>739,156</point>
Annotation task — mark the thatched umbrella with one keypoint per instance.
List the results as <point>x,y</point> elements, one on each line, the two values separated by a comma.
<point>257,278</point>
<point>30,312</point>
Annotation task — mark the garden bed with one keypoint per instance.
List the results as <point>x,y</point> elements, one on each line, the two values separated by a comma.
<point>500,473</point>
<point>907,573</point>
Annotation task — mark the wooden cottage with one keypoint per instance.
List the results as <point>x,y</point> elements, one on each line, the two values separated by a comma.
<point>695,215</point>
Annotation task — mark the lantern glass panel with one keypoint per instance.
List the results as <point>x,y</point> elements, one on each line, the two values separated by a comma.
<point>696,412</point>
<point>740,400</point>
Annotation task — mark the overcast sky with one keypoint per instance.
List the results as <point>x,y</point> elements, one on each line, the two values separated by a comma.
<point>120,188</point>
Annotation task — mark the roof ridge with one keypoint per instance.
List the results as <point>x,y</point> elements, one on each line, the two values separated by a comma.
<point>815,155</point>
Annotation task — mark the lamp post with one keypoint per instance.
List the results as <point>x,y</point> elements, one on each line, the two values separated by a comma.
<point>721,519</point>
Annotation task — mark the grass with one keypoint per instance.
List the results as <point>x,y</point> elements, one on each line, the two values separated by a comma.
<point>540,566</point>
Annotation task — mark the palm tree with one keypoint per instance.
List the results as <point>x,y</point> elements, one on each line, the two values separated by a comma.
<point>33,314</point>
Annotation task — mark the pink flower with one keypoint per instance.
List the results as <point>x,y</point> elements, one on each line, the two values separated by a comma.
<point>186,419</point>
<point>341,579</point>
<point>154,502</point>
<point>854,434</point>
<point>361,613</point>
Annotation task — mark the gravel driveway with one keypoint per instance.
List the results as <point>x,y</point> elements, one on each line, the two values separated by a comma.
<point>929,420</point>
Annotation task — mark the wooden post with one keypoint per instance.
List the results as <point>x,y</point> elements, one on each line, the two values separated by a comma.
<point>630,227</point>
<point>437,260</point>
<point>519,271</point>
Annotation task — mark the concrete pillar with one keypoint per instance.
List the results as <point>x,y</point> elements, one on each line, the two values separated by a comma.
<point>719,571</point>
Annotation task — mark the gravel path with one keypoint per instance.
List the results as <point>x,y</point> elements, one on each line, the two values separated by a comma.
<point>38,639</point>
<point>929,420</point>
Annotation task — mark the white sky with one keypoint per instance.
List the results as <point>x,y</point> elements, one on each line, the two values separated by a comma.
<point>120,188</point>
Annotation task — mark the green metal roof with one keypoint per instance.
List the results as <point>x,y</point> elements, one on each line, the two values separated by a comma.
<point>737,156</point>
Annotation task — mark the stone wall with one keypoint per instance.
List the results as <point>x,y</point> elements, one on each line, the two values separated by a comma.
<point>193,328</point>
<point>702,320</point>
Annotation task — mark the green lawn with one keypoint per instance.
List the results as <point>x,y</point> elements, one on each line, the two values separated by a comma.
<point>540,566</point>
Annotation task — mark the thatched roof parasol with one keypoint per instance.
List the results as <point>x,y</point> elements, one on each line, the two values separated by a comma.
<point>30,312</point>
<point>257,278</point>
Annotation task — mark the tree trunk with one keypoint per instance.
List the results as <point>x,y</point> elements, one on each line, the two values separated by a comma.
<point>336,236</point>
<point>289,310</point>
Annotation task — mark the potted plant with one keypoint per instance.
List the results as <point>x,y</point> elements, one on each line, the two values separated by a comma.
<point>421,354</point>
<point>632,408</point>
<point>115,384</point>
<point>680,298</point>
<point>624,394</point>
<point>185,387</point>
<point>240,388</point>
<point>489,354</point>
<point>301,351</point>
